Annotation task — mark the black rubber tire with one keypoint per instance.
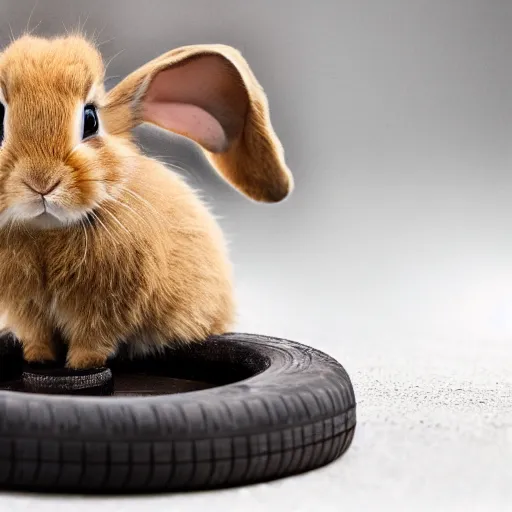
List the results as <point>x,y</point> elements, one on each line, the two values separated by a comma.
<point>296,413</point>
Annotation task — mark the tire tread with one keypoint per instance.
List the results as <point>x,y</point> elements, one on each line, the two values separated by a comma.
<point>199,444</point>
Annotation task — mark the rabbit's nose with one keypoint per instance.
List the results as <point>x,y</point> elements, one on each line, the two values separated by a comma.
<point>43,190</point>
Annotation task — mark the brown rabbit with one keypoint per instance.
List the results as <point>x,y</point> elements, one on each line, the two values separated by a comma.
<point>98,242</point>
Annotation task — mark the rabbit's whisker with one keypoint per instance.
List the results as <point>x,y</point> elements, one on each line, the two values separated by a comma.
<point>115,219</point>
<point>97,218</point>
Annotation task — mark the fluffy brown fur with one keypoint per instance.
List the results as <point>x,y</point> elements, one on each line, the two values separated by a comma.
<point>128,253</point>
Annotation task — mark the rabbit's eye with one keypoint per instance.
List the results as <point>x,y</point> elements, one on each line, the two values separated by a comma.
<point>2,115</point>
<point>91,123</point>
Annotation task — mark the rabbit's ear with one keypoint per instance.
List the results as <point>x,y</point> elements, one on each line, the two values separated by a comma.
<point>209,94</point>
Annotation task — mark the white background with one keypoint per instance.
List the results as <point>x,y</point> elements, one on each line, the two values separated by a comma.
<point>394,254</point>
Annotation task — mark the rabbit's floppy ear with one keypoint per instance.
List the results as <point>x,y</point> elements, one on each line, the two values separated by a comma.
<point>209,94</point>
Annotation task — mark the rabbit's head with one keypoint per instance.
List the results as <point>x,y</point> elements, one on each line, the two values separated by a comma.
<point>65,143</point>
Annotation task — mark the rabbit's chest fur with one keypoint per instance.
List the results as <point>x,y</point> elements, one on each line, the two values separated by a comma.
<point>64,277</point>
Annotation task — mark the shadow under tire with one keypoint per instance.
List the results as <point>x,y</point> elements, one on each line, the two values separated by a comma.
<point>292,411</point>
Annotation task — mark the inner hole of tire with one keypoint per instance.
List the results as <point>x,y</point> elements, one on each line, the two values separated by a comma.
<point>186,369</point>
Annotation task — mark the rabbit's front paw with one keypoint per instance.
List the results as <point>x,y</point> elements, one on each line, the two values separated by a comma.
<point>84,356</point>
<point>38,346</point>
<point>82,359</point>
<point>38,353</point>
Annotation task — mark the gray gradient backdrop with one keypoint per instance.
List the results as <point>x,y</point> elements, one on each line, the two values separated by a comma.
<point>394,253</point>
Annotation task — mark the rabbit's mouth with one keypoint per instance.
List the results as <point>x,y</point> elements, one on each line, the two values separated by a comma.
<point>53,217</point>
<point>47,216</point>
<point>46,220</point>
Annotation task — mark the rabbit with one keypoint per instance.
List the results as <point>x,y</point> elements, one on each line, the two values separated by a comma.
<point>98,242</point>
